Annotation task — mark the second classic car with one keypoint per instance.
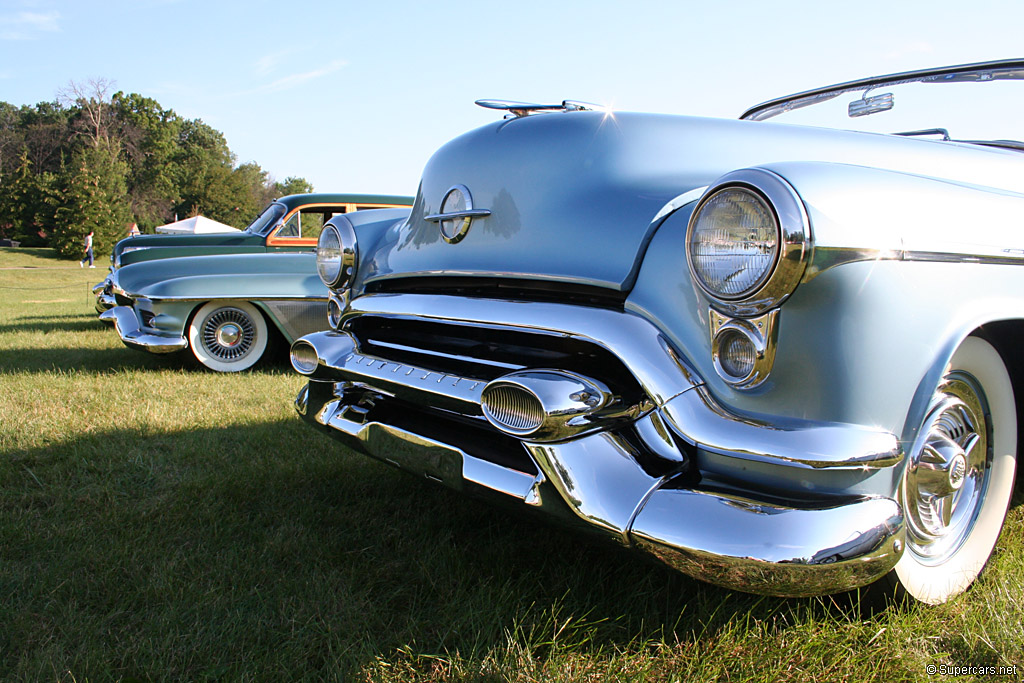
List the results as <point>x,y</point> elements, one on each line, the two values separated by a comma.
<point>289,224</point>
<point>780,358</point>
<point>226,310</point>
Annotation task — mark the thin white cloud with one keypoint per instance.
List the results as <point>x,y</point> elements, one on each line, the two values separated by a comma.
<point>300,78</point>
<point>267,63</point>
<point>29,25</point>
<point>295,80</point>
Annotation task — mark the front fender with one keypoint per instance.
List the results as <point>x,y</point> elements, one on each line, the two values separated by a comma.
<point>902,269</point>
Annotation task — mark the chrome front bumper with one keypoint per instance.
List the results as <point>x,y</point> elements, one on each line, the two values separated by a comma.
<point>132,333</point>
<point>104,298</point>
<point>797,509</point>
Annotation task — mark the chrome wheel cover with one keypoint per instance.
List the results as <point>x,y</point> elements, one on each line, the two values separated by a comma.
<point>228,334</point>
<point>947,475</point>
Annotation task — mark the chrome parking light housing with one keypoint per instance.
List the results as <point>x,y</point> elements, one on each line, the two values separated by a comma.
<point>337,253</point>
<point>747,242</point>
<point>334,311</point>
<point>743,349</point>
<point>543,405</point>
<point>303,357</point>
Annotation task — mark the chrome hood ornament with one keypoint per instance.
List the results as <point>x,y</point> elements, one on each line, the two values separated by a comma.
<point>518,109</point>
<point>457,214</point>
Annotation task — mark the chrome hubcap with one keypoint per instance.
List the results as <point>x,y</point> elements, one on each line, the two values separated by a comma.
<point>946,475</point>
<point>228,334</point>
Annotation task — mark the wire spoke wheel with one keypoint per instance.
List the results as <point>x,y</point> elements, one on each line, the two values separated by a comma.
<point>228,336</point>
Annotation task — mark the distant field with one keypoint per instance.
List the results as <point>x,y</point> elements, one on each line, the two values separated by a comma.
<point>161,523</point>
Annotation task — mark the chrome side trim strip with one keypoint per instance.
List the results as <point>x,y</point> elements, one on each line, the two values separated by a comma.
<point>826,258</point>
<point>133,334</point>
<point>218,297</point>
<point>679,202</point>
<point>338,359</point>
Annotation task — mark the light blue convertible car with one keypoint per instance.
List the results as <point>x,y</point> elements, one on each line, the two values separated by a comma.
<point>780,358</point>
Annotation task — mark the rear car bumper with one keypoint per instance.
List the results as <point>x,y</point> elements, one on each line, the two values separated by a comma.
<point>134,335</point>
<point>793,509</point>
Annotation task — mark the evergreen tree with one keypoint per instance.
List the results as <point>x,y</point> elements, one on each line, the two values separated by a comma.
<point>93,197</point>
<point>24,209</point>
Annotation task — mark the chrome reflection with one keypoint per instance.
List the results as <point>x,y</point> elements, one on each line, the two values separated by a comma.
<point>545,405</point>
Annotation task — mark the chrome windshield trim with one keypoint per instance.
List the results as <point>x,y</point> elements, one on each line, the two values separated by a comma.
<point>1006,69</point>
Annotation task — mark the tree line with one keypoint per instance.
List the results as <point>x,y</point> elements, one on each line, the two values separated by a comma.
<point>90,161</point>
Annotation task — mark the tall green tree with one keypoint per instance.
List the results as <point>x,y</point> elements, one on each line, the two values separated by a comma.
<point>292,185</point>
<point>93,197</point>
<point>25,206</point>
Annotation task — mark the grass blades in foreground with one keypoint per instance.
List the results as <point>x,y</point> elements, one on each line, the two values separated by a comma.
<point>160,523</point>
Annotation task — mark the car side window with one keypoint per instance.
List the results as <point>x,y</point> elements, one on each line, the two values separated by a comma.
<point>313,221</point>
<point>293,228</point>
<point>308,222</point>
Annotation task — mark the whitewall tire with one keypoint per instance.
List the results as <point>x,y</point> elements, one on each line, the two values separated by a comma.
<point>959,477</point>
<point>228,336</point>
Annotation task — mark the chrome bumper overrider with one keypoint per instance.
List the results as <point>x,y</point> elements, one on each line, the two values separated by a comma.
<point>794,509</point>
<point>104,298</point>
<point>134,335</point>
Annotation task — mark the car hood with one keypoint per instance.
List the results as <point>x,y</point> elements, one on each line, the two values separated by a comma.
<point>248,276</point>
<point>575,197</point>
<point>203,243</point>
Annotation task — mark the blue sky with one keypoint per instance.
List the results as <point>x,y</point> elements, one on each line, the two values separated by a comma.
<point>356,96</point>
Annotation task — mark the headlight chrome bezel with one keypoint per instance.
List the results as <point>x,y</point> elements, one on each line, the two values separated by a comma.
<point>791,249</point>
<point>337,271</point>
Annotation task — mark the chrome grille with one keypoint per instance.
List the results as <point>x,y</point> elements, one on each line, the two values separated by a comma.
<point>513,408</point>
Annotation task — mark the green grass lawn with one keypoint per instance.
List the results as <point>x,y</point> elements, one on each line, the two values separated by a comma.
<point>160,523</point>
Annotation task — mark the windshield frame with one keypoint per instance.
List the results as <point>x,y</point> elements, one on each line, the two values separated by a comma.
<point>268,218</point>
<point>1004,69</point>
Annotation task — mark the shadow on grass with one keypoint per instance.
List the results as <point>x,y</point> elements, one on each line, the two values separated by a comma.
<point>118,358</point>
<point>133,553</point>
<point>48,324</point>
<point>43,253</point>
<point>97,361</point>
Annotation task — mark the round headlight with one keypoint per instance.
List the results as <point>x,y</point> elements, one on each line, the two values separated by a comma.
<point>336,253</point>
<point>733,243</point>
<point>328,255</point>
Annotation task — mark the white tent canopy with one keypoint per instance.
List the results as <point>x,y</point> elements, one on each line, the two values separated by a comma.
<point>196,224</point>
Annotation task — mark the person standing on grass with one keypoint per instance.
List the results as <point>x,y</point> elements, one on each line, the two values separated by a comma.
<point>88,252</point>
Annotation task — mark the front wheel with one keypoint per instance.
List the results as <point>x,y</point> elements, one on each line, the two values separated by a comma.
<point>228,336</point>
<point>959,477</point>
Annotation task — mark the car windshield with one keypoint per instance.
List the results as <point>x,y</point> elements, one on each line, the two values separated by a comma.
<point>262,224</point>
<point>971,103</point>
